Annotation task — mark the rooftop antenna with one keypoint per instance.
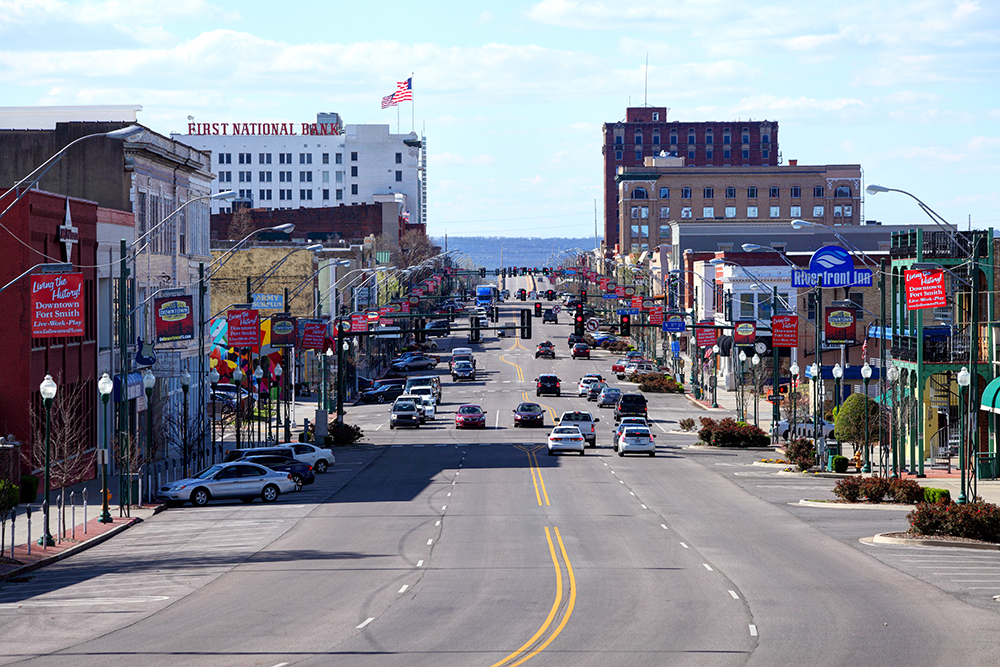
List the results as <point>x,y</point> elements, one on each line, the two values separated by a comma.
<point>645,85</point>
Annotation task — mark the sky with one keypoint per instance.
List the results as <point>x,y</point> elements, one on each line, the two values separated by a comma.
<point>512,96</point>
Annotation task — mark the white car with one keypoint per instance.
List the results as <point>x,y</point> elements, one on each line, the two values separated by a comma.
<point>426,394</point>
<point>566,439</point>
<point>806,429</point>
<point>585,385</point>
<point>636,439</point>
<point>319,458</point>
<point>418,400</point>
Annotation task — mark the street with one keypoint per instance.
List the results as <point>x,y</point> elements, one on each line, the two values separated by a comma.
<point>433,546</point>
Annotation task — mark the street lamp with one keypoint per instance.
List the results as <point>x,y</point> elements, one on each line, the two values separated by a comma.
<point>893,375</point>
<point>213,379</point>
<point>148,381</point>
<point>715,376</point>
<point>326,381</point>
<point>964,380</point>
<point>866,374</point>
<point>48,390</point>
<point>277,373</point>
<point>741,404</point>
<point>258,373</point>
<point>756,396</point>
<point>838,373</point>
<point>105,386</point>
<point>185,387</point>
<point>238,376</point>
<point>793,394</point>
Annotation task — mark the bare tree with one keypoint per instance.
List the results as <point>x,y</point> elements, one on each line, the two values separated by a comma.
<point>414,248</point>
<point>192,448</point>
<point>241,224</point>
<point>70,459</point>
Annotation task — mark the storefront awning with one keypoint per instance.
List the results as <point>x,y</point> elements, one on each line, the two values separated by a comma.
<point>991,397</point>
<point>135,388</point>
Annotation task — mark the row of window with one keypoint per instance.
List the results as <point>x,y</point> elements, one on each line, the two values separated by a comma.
<point>687,212</point>
<point>183,233</point>
<point>286,176</point>
<point>773,192</point>
<point>727,154</point>
<point>286,194</point>
<point>286,158</point>
<point>692,140</point>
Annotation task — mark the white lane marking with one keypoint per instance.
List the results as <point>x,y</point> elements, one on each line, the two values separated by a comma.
<point>605,464</point>
<point>664,526</point>
<point>438,522</point>
<point>449,495</point>
<point>395,445</point>
<point>376,428</point>
<point>643,507</point>
<point>430,542</point>
<point>444,507</point>
<point>707,567</point>
<point>496,422</point>
<point>735,596</point>
<point>420,563</point>
<point>457,472</point>
<point>282,664</point>
<point>403,589</point>
<point>661,428</point>
<point>631,493</point>
<point>370,619</point>
<point>613,472</point>
<point>620,482</point>
<point>685,546</point>
<point>753,630</point>
<point>84,601</point>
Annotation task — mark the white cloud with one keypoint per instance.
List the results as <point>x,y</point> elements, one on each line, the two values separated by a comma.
<point>486,16</point>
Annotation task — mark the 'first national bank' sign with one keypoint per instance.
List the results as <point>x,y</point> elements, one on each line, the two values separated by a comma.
<point>835,267</point>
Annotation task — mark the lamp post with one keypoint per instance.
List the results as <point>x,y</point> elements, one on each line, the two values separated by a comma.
<point>893,375</point>
<point>866,374</point>
<point>258,373</point>
<point>185,387</point>
<point>148,382</point>
<point>756,362</point>
<point>48,390</point>
<point>964,380</point>
<point>326,380</point>
<point>277,373</point>
<point>741,404</point>
<point>838,373</point>
<point>814,371</point>
<point>105,386</point>
<point>238,376</point>
<point>794,394</point>
<point>715,376</point>
<point>213,379</point>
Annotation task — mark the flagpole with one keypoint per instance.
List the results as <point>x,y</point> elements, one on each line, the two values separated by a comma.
<point>412,112</point>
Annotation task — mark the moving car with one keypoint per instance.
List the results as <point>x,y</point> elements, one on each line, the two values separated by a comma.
<point>457,357</point>
<point>421,405</point>
<point>631,404</point>
<point>806,429</point>
<point>636,439</point>
<point>627,422</point>
<point>415,362</point>
<point>463,370</point>
<point>405,413</point>
<point>239,479</point>
<point>529,414</point>
<point>432,381</point>
<point>470,416</point>
<point>550,315</point>
<point>566,439</point>
<point>584,385</point>
<point>608,397</point>
<point>595,390</point>
<point>381,394</point>
<point>320,458</point>
<point>581,351</point>
<point>583,421</point>
<point>426,393</point>
<point>638,367</point>
<point>302,473</point>
<point>546,349</point>
<point>573,339</point>
<point>619,366</point>
<point>547,384</point>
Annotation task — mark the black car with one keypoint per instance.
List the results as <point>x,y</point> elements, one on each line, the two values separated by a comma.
<point>550,316</point>
<point>302,473</point>
<point>547,384</point>
<point>385,393</point>
<point>529,414</point>
<point>438,328</point>
<point>573,339</point>
<point>546,349</point>
<point>631,405</point>
<point>595,390</point>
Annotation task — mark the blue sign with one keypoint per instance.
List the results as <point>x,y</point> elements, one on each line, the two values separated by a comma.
<point>674,325</point>
<point>609,296</point>
<point>675,348</point>
<point>268,301</point>
<point>628,311</point>
<point>835,267</point>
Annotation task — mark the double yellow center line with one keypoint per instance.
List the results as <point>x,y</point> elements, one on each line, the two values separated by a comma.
<point>535,470</point>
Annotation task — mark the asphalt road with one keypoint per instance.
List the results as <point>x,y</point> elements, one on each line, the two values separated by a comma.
<point>441,547</point>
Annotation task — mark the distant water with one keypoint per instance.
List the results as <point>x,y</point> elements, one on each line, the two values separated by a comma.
<point>485,250</point>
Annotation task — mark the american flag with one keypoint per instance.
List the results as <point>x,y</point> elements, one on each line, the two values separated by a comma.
<point>389,101</point>
<point>404,91</point>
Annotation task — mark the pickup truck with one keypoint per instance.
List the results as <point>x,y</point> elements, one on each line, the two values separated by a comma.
<point>584,421</point>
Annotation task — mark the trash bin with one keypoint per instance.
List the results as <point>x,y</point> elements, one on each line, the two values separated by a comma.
<point>832,450</point>
<point>987,465</point>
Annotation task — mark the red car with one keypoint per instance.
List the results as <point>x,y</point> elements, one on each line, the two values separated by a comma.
<point>581,350</point>
<point>470,416</point>
<point>618,366</point>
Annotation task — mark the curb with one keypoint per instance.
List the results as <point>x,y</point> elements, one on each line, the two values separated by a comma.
<point>882,539</point>
<point>856,506</point>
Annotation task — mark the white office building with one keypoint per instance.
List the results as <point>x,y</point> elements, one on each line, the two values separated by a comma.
<point>313,165</point>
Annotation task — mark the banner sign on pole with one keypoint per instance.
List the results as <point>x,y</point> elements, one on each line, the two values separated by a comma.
<point>745,333</point>
<point>283,328</point>
<point>56,305</point>
<point>840,325</point>
<point>620,291</point>
<point>637,302</point>
<point>785,331</point>
<point>925,289</point>
<point>603,284</point>
<point>706,335</point>
<point>656,315</point>
<point>244,328</point>
<point>359,322</point>
<point>174,318</point>
<point>835,266</point>
<point>313,334</point>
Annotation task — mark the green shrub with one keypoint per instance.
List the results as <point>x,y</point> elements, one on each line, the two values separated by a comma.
<point>932,495</point>
<point>848,489</point>
<point>687,424</point>
<point>801,452</point>
<point>840,464</point>
<point>874,489</point>
<point>342,433</point>
<point>906,491</point>
<point>10,496</point>
<point>976,521</point>
<point>618,346</point>
<point>29,488</point>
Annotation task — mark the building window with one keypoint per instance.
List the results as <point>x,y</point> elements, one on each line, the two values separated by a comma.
<point>726,154</point>
<point>225,158</point>
<point>746,154</point>
<point>848,211</point>
<point>619,140</point>
<point>326,158</point>
<point>730,211</point>
<point>765,138</point>
<point>264,177</point>
<point>818,191</point>
<point>340,177</point>
<point>284,177</point>
<point>765,154</point>
<point>399,158</point>
<point>354,172</point>
<point>656,116</point>
<point>664,232</point>
<point>242,157</point>
<point>225,177</point>
<point>752,192</point>
<point>817,211</point>
<point>751,211</point>
<point>664,193</point>
<point>399,177</point>
<point>709,153</point>
<point>664,211</point>
<point>639,193</point>
<point>656,138</point>
<point>305,158</point>
<point>326,194</point>
<point>775,211</point>
<point>305,177</point>
<point>811,306</point>
<point>746,137</point>
<point>246,194</point>
<point>685,193</point>
<point>638,138</point>
<point>858,299</point>
<point>685,212</point>
<point>673,137</point>
<point>730,192</point>
<point>838,211</point>
<point>340,194</point>
<point>796,192</point>
<point>305,194</point>
<point>619,155</point>
<point>708,212</point>
<point>265,195</point>
<point>691,138</point>
<point>727,138</point>
<point>691,154</point>
<point>644,212</point>
<point>635,212</point>
<point>796,211</point>
<point>708,138</point>
<point>747,306</point>
<point>842,191</point>
<point>708,193</point>
<point>264,158</point>
<point>354,156</point>
<point>284,158</point>
<point>638,156</point>
<point>339,158</point>
<point>354,189</point>
<point>772,192</point>
<point>282,196</point>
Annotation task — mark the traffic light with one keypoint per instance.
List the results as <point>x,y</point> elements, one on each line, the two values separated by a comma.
<point>495,314</point>
<point>522,294</point>
<point>496,272</point>
<point>525,324</point>
<point>538,309</point>
<point>550,295</point>
<point>474,329</point>
<point>578,320</point>
<point>583,294</point>
<point>625,325</point>
<point>420,333</point>
<point>482,271</point>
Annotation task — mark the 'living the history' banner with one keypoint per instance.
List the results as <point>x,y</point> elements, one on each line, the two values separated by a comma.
<point>56,305</point>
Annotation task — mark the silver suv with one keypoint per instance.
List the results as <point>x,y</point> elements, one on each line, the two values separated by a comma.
<point>582,420</point>
<point>404,413</point>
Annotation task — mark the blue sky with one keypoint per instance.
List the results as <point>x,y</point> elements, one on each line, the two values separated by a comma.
<point>512,95</point>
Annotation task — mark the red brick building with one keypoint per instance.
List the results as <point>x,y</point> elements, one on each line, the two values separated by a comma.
<point>36,231</point>
<point>645,132</point>
<point>350,224</point>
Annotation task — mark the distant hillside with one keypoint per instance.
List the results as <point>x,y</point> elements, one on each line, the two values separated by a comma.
<point>485,250</point>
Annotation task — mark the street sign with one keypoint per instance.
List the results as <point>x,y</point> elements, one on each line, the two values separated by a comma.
<point>675,348</point>
<point>592,325</point>
<point>628,311</point>
<point>557,309</point>
<point>774,399</point>
<point>674,324</point>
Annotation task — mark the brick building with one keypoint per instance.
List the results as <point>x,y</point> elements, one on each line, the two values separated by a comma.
<point>646,132</point>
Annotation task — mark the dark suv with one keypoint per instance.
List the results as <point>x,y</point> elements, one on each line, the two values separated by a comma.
<point>631,405</point>
<point>547,384</point>
<point>550,316</point>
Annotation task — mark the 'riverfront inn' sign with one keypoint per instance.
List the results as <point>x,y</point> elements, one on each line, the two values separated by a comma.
<point>835,267</point>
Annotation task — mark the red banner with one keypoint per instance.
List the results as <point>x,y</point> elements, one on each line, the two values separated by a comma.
<point>603,284</point>
<point>706,336</point>
<point>745,333</point>
<point>841,324</point>
<point>656,315</point>
<point>785,331</point>
<point>359,322</point>
<point>56,305</point>
<point>283,328</point>
<point>637,302</point>
<point>620,291</point>
<point>313,335</point>
<point>174,318</point>
<point>925,289</point>
<point>244,328</point>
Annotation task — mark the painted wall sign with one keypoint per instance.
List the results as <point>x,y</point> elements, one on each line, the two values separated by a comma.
<point>835,266</point>
<point>268,301</point>
<point>56,305</point>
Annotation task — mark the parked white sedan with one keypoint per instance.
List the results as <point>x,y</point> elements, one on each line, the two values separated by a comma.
<point>566,439</point>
